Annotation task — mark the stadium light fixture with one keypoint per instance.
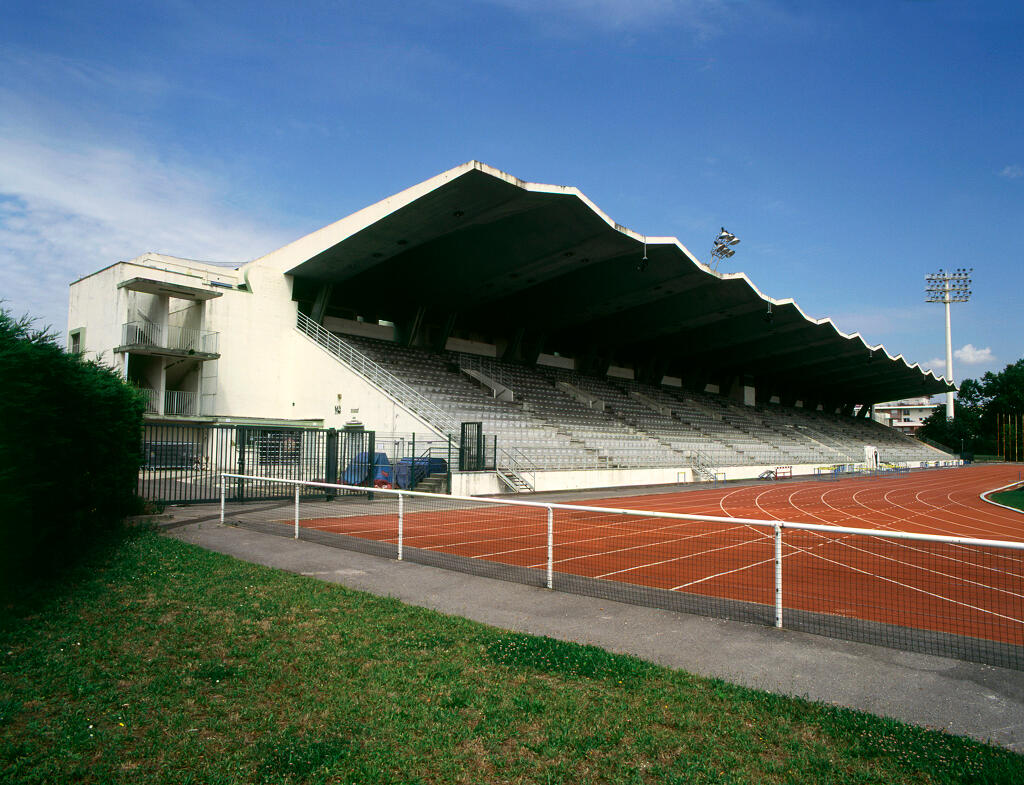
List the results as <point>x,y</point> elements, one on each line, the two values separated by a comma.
<point>949,287</point>
<point>722,246</point>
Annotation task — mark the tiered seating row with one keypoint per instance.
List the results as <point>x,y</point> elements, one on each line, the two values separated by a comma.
<point>632,424</point>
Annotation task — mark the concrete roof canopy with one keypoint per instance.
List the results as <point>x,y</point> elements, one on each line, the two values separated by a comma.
<point>490,254</point>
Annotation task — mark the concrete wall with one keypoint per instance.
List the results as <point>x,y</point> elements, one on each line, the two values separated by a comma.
<point>487,483</point>
<point>96,304</point>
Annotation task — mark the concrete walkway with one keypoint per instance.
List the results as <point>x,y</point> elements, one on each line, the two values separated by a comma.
<point>981,701</point>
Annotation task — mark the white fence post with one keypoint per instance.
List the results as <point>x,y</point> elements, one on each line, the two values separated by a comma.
<point>223,483</point>
<point>297,512</point>
<point>551,547</point>
<point>401,523</point>
<point>778,575</point>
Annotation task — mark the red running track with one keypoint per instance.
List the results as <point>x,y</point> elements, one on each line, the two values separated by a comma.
<point>964,590</point>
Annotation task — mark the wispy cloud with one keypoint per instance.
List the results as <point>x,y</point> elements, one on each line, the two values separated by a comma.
<point>973,356</point>
<point>1011,172</point>
<point>68,208</point>
<point>883,323</point>
<point>701,16</point>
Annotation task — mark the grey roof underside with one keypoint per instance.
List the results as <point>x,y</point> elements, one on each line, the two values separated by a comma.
<point>505,256</point>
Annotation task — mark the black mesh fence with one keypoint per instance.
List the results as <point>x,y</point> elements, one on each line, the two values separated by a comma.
<point>962,599</point>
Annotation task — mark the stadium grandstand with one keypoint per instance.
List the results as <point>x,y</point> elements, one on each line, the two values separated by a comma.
<point>569,350</point>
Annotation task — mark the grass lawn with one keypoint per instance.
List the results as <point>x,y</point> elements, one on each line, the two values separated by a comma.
<point>1014,498</point>
<point>161,662</point>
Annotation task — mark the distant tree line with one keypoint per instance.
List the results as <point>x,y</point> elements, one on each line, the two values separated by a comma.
<point>980,406</point>
<point>70,450</point>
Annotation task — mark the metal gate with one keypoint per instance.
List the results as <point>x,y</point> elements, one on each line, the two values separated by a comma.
<point>352,459</point>
<point>471,447</point>
<point>182,464</point>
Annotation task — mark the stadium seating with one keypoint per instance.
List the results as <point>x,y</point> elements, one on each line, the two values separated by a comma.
<point>564,420</point>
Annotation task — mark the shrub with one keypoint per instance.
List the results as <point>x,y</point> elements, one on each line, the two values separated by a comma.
<point>69,449</point>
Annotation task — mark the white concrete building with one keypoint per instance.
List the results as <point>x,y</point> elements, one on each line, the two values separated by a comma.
<point>906,415</point>
<point>209,343</point>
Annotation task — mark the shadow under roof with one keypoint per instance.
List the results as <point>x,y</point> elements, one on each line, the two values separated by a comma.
<point>500,255</point>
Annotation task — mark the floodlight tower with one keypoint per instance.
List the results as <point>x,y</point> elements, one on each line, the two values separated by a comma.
<point>722,248</point>
<point>949,287</point>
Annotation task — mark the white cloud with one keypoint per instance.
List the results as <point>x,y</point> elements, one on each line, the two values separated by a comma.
<point>69,208</point>
<point>966,354</point>
<point>972,356</point>
<point>1012,172</point>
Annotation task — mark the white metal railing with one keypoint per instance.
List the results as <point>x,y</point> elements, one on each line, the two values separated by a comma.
<point>415,401</point>
<point>487,366</point>
<point>703,464</point>
<point>181,402</point>
<point>517,463</point>
<point>152,399</point>
<point>163,336</point>
<point>771,528</point>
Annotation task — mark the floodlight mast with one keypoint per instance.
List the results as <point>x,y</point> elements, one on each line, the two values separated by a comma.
<point>949,287</point>
<point>722,247</point>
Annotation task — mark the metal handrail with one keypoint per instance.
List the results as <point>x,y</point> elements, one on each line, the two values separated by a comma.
<point>514,464</point>
<point>475,362</point>
<point>379,376</point>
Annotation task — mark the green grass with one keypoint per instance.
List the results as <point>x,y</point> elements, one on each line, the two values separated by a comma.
<point>1014,498</point>
<point>161,662</point>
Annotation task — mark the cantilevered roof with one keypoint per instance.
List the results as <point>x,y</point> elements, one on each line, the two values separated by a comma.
<point>496,255</point>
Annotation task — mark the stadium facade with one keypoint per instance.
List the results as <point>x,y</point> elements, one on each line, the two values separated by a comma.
<point>593,355</point>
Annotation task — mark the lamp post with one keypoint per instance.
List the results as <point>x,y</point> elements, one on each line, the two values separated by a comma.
<point>949,287</point>
<point>722,247</point>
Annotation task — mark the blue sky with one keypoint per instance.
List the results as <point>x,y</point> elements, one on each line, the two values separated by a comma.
<point>853,147</point>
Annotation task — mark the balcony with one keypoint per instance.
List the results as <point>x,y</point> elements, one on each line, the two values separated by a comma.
<point>181,403</point>
<point>176,402</point>
<point>168,340</point>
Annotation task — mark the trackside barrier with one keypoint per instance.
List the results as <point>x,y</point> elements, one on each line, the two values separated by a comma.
<point>950,596</point>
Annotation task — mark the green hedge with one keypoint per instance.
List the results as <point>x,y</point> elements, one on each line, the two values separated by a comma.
<point>70,450</point>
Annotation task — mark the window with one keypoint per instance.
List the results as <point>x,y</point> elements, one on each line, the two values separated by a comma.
<point>75,342</point>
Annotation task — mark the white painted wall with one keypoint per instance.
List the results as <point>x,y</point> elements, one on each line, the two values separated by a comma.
<point>487,483</point>
<point>267,368</point>
<point>96,304</point>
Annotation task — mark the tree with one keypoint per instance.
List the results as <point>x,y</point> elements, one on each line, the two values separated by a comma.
<point>977,406</point>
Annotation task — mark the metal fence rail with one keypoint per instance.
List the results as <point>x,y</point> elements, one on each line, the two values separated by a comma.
<point>183,462</point>
<point>379,376</point>
<point>950,596</point>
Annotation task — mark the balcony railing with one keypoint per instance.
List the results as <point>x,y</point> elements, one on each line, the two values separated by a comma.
<point>175,401</point>
<point>152,400</point>
<point>162,336</point>
<point>180,402</point>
